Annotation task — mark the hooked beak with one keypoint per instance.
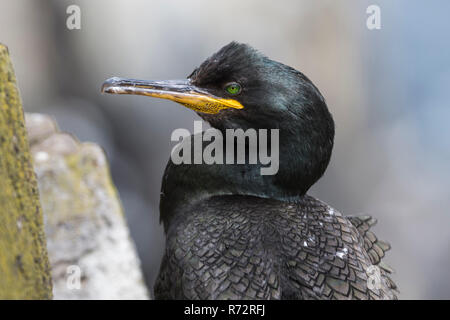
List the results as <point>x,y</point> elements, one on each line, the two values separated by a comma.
<point>181,91</point>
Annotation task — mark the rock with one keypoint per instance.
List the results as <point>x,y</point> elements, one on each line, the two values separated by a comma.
<point>24,266</point>
<point>91,253</point>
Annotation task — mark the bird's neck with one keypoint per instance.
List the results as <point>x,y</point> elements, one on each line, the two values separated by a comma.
<point>303,158</point>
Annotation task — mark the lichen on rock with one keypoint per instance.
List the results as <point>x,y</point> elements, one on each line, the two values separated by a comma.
<point>24,267</point>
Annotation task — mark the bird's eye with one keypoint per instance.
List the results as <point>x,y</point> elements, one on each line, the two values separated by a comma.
<point>233,88</point>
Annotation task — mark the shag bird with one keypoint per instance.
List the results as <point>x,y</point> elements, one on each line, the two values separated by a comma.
<point>233,233</point>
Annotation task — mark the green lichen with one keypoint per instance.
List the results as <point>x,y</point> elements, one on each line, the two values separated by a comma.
<point>24,267</point>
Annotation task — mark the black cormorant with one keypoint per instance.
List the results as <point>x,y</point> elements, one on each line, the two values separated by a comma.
<point>233,233</point>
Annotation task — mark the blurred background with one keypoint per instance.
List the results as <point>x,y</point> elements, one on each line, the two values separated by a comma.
<point>387,89</point>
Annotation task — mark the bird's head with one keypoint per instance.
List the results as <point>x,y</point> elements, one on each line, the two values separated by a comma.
<point>238,87</point>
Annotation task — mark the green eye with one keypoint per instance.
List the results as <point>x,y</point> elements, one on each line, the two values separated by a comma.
<point>233,88</point>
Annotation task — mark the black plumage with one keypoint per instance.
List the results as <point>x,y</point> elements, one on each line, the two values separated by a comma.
<point>234,233</point>
<point>246,247</point>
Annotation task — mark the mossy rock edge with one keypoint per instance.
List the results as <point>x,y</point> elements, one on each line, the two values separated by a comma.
<point>24,266</point>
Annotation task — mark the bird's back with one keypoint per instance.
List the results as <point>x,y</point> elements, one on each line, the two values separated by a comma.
<point>243,247</point>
